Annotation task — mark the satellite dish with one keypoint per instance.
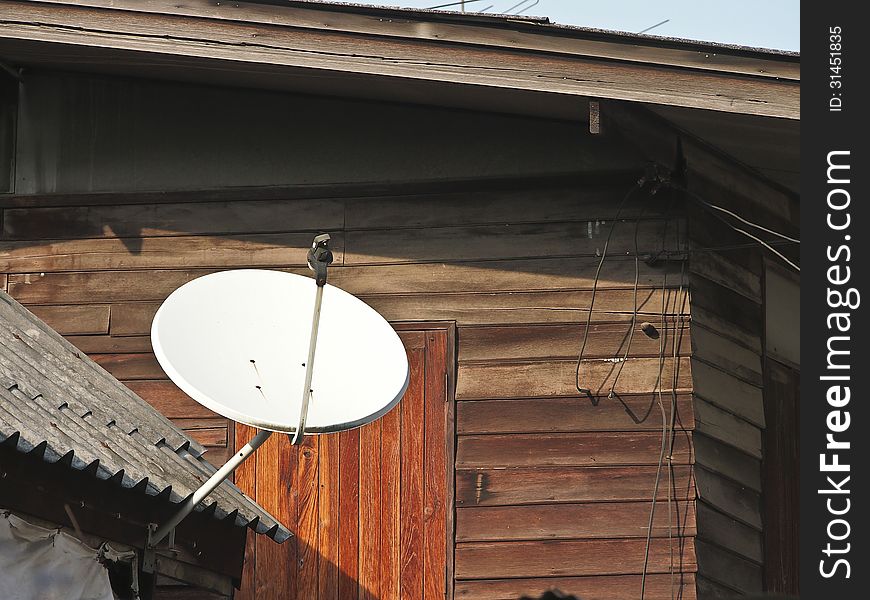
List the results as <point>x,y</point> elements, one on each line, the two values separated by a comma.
<point>243,343</point>
<point>237,342</point>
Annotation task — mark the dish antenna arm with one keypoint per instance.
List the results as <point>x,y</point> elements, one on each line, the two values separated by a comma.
<point>319,259</point>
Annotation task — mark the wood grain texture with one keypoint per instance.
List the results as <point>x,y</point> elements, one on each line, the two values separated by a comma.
<point>551,415</point>
<point>558,558</point>
<point>75,320</point>
<point>272,578</point>
<point>719,351</point>
<point>168,399</point>
<point>328,542</point>
<point>428,60</point>
<point>727,428</point>
<point>539,342</point>
<point>566,449</point>
<point>728,461</point>
<point>108,344</point>
<point>112,254</point>
<point>506,241</point>
<point>729,569</point>
<point>413,480</point>
<point>558,378</point>
<point>307,518</point>
<point>573,521</point>
<point>500,275</point>
<point>501,487</point>
<point>126,220</point>
<point>349,508</point>
<point>522,35</point>
<point>435,441</point>
<point>391,503</point>
<point>369,511</point>
<point>613,587</point>
<point>723,531</point>
<point>245,477</point>
<point>728,392</point>
<point>732,499</point>
<point>525,308</point>
<point>127,367</point>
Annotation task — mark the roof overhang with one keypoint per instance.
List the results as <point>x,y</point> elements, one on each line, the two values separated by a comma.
<point>501,64</point>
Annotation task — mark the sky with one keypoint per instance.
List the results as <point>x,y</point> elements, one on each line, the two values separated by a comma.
<point>764,24</point>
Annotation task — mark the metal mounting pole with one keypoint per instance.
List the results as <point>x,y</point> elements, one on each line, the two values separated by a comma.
<point>208,487</point>
<point>319,258</point>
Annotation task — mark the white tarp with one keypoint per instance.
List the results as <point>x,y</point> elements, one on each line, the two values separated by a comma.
<point>45,564</point>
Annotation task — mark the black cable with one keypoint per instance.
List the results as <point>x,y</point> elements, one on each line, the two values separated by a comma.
<point>625,198</point>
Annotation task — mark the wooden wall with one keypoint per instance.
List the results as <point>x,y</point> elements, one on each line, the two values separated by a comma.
<point>730,397</point>
<point>553,488</point>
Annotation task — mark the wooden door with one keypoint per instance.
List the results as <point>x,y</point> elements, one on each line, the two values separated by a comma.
<point>371,508</point>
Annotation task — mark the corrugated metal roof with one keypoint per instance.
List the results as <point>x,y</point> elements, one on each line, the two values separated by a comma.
<point>57,403</point>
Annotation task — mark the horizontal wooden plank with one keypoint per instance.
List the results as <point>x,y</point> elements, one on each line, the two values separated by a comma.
<point>558,378</point>
<point>729,569</point>
<point>728,533</point>
<point>169,219</point>
<point>567,449</point>
<point>732,499</point>
<point>218,455</point>
<point>523,35</point>
<point>728,392</point>
<point>134,318</point>
<point>723,271</point>
<point>197,43</point>
<point>582,201</point>
<point>750,339</point>
<point>502,487</point>
<point>487,276</point>
<point>718,350</point>
<point>238,250</point>
<point>75,320</point>
<point>731,308</point>
<point>724,426</point>
<point>506,241</point>
<point>560,341</point>
<point>573,521</point>
<point>492,560</point>
<point>130,366</point>
<point>211,437</point>
<point>557,306</point>
<point>728,461</point>
<point>608,587</point>
<point>627,413</point>
<point>110,344</point>
<point>169,400</point>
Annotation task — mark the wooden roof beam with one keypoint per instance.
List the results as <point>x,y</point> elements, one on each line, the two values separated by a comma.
<point>546,62</point>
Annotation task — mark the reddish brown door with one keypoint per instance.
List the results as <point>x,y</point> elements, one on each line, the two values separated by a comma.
<point>370,507</point>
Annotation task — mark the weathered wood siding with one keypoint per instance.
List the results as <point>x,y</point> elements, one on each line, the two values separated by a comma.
<point>553,488</point>
<point>730,395</point>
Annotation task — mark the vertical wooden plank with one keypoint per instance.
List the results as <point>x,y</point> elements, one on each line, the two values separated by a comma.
<point>246,478</point>
<point>348,510</point>
<point>273,579</point>
<point>308,517</point>
<point>435,467</point>
<point>287,512</point>
<point>781,478</point>
<point>412,479</point>
<point>328,504</point>
<point>391,473</point>
<point>370,511</point>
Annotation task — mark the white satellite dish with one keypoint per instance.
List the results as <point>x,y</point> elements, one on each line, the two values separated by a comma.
<point>237,342</point>
<point>243,343</point>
